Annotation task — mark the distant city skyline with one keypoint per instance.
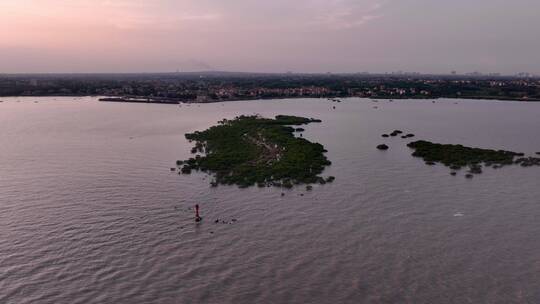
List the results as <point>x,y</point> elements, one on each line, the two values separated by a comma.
<point>312,36</point>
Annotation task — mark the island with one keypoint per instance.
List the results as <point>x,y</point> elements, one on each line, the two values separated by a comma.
<point>253,150</point>
<point>457,157</point>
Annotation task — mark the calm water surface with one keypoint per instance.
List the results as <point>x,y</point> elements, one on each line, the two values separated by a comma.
<point>90,212</point>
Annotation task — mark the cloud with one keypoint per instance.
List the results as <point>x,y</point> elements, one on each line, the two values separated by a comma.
<point>347,14</point>
<point>133,14</point>
<point>234,15</point>
<point>302,15</point>
<point>138,35</point>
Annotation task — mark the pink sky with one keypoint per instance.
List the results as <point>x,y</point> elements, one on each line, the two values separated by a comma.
<point>273,36</point>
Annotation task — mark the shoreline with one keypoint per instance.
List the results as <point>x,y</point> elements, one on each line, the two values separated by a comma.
<point>142,99</point>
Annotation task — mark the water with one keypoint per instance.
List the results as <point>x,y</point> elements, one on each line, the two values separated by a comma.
<point>90,212</point>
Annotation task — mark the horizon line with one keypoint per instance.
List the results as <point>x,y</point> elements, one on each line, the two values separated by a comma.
<point>394,73</point>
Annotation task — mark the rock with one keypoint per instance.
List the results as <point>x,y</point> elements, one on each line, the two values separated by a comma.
<point>287,184</point>
<point>430,163</point>
<point>282,194</point>
<point>528,161</point>
<point>385,135</point>
<point>410,135</point>
<point>453,173</point>
<point>475,169</point>
<point>382,147</point>
<point>469,176</point>
<point>173,169</point>
<point>309,187</point>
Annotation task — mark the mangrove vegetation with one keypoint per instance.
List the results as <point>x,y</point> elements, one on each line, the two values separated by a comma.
<point>457,157</point>
<point>252,150</point>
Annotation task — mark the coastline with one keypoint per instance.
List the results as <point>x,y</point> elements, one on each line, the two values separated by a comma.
<point>143,99</point>
<point>330,98</point>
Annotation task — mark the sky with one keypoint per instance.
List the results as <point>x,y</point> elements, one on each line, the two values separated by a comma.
<point>428,36</point>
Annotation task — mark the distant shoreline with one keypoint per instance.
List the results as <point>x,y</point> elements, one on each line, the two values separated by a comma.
<point>210,88</point>
<point>159,101</point>
<point>142,99</point>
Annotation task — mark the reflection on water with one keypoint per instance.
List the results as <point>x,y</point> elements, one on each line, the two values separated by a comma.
<point>90,212</point>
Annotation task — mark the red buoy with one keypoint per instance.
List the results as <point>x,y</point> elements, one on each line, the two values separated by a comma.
<point>198,218</point>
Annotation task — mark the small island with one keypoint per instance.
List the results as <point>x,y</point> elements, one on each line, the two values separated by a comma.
<point>458,156</point>
<point>252,150</point>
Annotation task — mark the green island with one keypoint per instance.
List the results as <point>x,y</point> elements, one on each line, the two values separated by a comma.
<point>458,156</point>
<point>252,150</point>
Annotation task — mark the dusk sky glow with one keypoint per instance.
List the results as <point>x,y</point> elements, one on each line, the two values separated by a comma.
<point>429,36</point>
